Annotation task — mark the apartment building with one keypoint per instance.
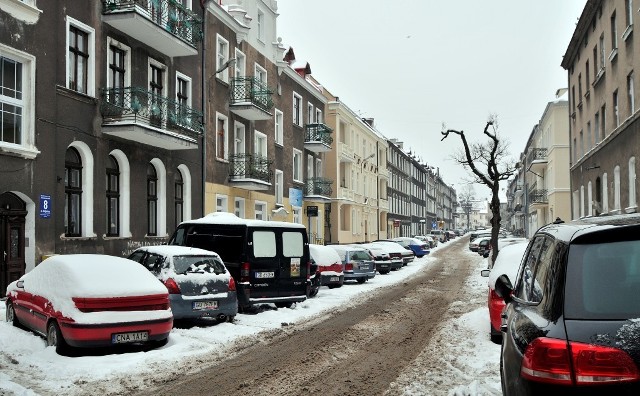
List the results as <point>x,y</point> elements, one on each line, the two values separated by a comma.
<point>104,153</point>
<point>359,204</point>
<point>399,191</point>
<point>546,165</point>
<point>601,62</point>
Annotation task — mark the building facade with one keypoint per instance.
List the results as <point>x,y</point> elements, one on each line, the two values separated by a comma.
<point>604,129</point>
<point>103,154</point>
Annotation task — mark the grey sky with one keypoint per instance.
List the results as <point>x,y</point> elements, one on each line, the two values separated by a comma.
<point>415,64</point>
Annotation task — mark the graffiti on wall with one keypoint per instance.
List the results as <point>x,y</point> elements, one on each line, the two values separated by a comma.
<point>133,245</point>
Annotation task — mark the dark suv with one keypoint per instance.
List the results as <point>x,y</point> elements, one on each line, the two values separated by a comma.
<point>571,324</point>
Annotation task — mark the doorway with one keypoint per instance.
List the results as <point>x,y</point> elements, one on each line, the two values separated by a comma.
<point>12,237</point>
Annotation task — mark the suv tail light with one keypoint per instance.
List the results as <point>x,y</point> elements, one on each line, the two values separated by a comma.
<point>550,360</point>
<point>232,284</point>
<point>172,286</point>
<point>348,266</point>
<point>245,272</point>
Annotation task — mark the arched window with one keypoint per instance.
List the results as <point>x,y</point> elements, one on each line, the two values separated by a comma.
<point>590,199</point>
<point>152,201</point>
<point>113,196</point>
<point>605,194</point>
<point>73,193</point>
<point>179,198</point>
<point>616,188</point>
<point>185,174</point>
<point>581,201</point>
<point>598,210</point>
<point>632,183</point>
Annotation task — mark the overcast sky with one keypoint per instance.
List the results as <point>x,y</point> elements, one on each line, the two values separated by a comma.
<point>413,65</point>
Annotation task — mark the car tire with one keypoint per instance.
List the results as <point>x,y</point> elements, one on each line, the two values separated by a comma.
<point>361,280</point>
<point>55,338</point>
<point>334,286</point>
<point>384,272</point>
<point>496,336</point>
<point>284,304</point>
<point>231,318</point>
<point>313,293</point>
<point>11,315</point>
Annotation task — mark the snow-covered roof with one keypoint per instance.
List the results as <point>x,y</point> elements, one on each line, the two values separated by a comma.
<point>173,250</point>
<point>507,263</point>
<point>232,219</point>
<point>324,255</point>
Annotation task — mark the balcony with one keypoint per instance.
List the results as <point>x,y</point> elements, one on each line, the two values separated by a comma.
<point>346,152</point>
<point>346,194</point>
<point>538,199</point>
<point>165,25</point>
<point>250,99</point>
<point>317,138</point>
<point>537,159</point>
<point>250,172</point>
<point>318,187</point>
<point>136,114</point>
<point>383,204</point>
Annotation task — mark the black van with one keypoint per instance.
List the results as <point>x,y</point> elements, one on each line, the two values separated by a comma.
<point>269,260</point>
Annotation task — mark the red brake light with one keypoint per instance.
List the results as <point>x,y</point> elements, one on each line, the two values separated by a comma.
<point>245,272</point>
<point>348,267</point>
<point>172,286</point>
<point>548,360</point>
<point>232,284</point>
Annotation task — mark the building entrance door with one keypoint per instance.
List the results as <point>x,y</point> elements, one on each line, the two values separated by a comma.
<point>12,248</point>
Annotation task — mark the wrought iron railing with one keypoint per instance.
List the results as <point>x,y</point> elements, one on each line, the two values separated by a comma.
<point>318,186</point>
<point>536,154</point>
<point>318,133</point>
<point>140,105</point>
<point>250,90</point>
<point>250,166</point>
<point>538,196</point>
<point>170,15</point>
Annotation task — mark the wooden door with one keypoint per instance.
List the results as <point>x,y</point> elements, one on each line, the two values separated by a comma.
<point>12,247</point>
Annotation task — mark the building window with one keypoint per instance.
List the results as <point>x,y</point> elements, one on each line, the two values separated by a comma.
<point>152,201</point>
<point>222,203</point>
<point>631,94</point>
<point>78,59</point>
<point>222,142</point>
<point>605,194</point>
<point>586,75</point>
<point>589,199</point>
<point>589,141</point>
<point>297,215</point>
<point>596,69</point>
<point>602,52</point>
<point>260,21</point>
<point>157,84</point>
<point>185,176</point>
<point>616,188</point>
<point>581,152</point>
<point>260,210</point>
<point>614,33</point>
<point>297,165</point>
<point>222,56</point>
<point>239,138</point>
<point>310,113</point>
<point>616,113</point>
<point>73,193</point>
<point>279,127</point>
<point>117,73</point>
<point>319,118</point>
<point>596,126</point>
<point>240,65</point>
<point>579,90</point>
<point>179,198</point>
<point>602,122</point>
<point>239,207</point>
<point>297,109</point>
<point>279,186</point>
<point>183,101</point>
<point>632,183</point>
<point>260,74</point>
<point>113,197</point>
<point>581,201</point>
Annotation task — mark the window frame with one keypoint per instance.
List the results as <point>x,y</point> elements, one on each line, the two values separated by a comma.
<point>112,192</point>
<point>279,127</point>
<point>71,191</point>
<point>91,56</point>
<point>262,211</point>
<point>222,203</point>
<point>222,56</point>
<point>239,207</point>
<point>297,109</point>
<point>222,139</point>
<point>279,187</point>
<point>297,167</point>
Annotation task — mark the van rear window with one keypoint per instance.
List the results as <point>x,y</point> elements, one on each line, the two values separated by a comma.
<point>264,244</point>
<point>292,244</point>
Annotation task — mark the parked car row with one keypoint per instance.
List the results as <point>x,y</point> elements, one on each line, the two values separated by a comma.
<point>569,325</point>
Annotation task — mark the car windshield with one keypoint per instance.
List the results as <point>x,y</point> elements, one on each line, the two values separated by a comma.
<point>603,280</point>
<point>360,255</point>
<point>402,242</point>
<point>197,264</point>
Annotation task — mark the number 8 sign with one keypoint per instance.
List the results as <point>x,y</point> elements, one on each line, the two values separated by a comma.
<point>45,206</point>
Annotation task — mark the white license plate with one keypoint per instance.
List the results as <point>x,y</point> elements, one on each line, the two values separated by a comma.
<point>265,275</point>
<point>334,279</point>
<point>123,338</point>
<point>200,305</point>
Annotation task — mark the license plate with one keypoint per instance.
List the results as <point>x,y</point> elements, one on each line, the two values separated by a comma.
<point>123,338</point>
<point>264,275</point>
<point>334,279</point>
<point>199,305</point>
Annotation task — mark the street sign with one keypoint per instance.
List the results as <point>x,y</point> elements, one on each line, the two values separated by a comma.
<point>312,211</point>
<point>45,206</point>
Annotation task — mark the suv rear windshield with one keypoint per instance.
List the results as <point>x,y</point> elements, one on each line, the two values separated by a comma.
<point>360,255</point>
<point>603,280</point>
<point>197,264</point>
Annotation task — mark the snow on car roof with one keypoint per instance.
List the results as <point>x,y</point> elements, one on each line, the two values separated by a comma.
<point>507,263</point>
<point>232,219</point>
<point>324,255</point>
<point>174,250</point>
<point>393,247</point>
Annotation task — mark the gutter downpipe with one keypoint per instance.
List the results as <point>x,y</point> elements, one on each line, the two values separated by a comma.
<point>204,96</point>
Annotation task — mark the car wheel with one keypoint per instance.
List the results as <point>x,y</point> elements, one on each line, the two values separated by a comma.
<point>11,315</point>
<point>284,304</point>
<point>384,272</point>
<point>54,338</point>
<point>231,318</point>
<point>496,337</point>
<point>361,280</point>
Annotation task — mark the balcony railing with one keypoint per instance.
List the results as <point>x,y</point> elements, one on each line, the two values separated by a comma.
<point>536,154</point>
<point>170,15</point>
<point>318,186</point>
<point>138,105</point>
<point>538,197</point>
<point>250,166</point>
<point>250,90</point>
<point>318,133</point>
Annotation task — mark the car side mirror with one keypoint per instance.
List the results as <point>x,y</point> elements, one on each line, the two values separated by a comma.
<point>20,284</point>
<point>504,288</point>
<point>485,273</point>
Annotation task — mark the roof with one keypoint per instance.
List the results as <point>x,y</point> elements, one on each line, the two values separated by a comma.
<point>225,218</point>
<point>569,231</point>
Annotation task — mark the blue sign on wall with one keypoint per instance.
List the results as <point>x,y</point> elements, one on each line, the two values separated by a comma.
<point>434,225</point>
<point>45,206</point>
<point>295,197</point>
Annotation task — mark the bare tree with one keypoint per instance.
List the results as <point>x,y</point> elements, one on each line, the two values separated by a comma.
<point>465,198</point>
<point>489,165</point>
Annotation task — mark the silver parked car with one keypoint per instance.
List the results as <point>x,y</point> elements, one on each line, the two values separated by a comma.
<point>380,256</point>
<point>199,284</point>
<point>358,263</point>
